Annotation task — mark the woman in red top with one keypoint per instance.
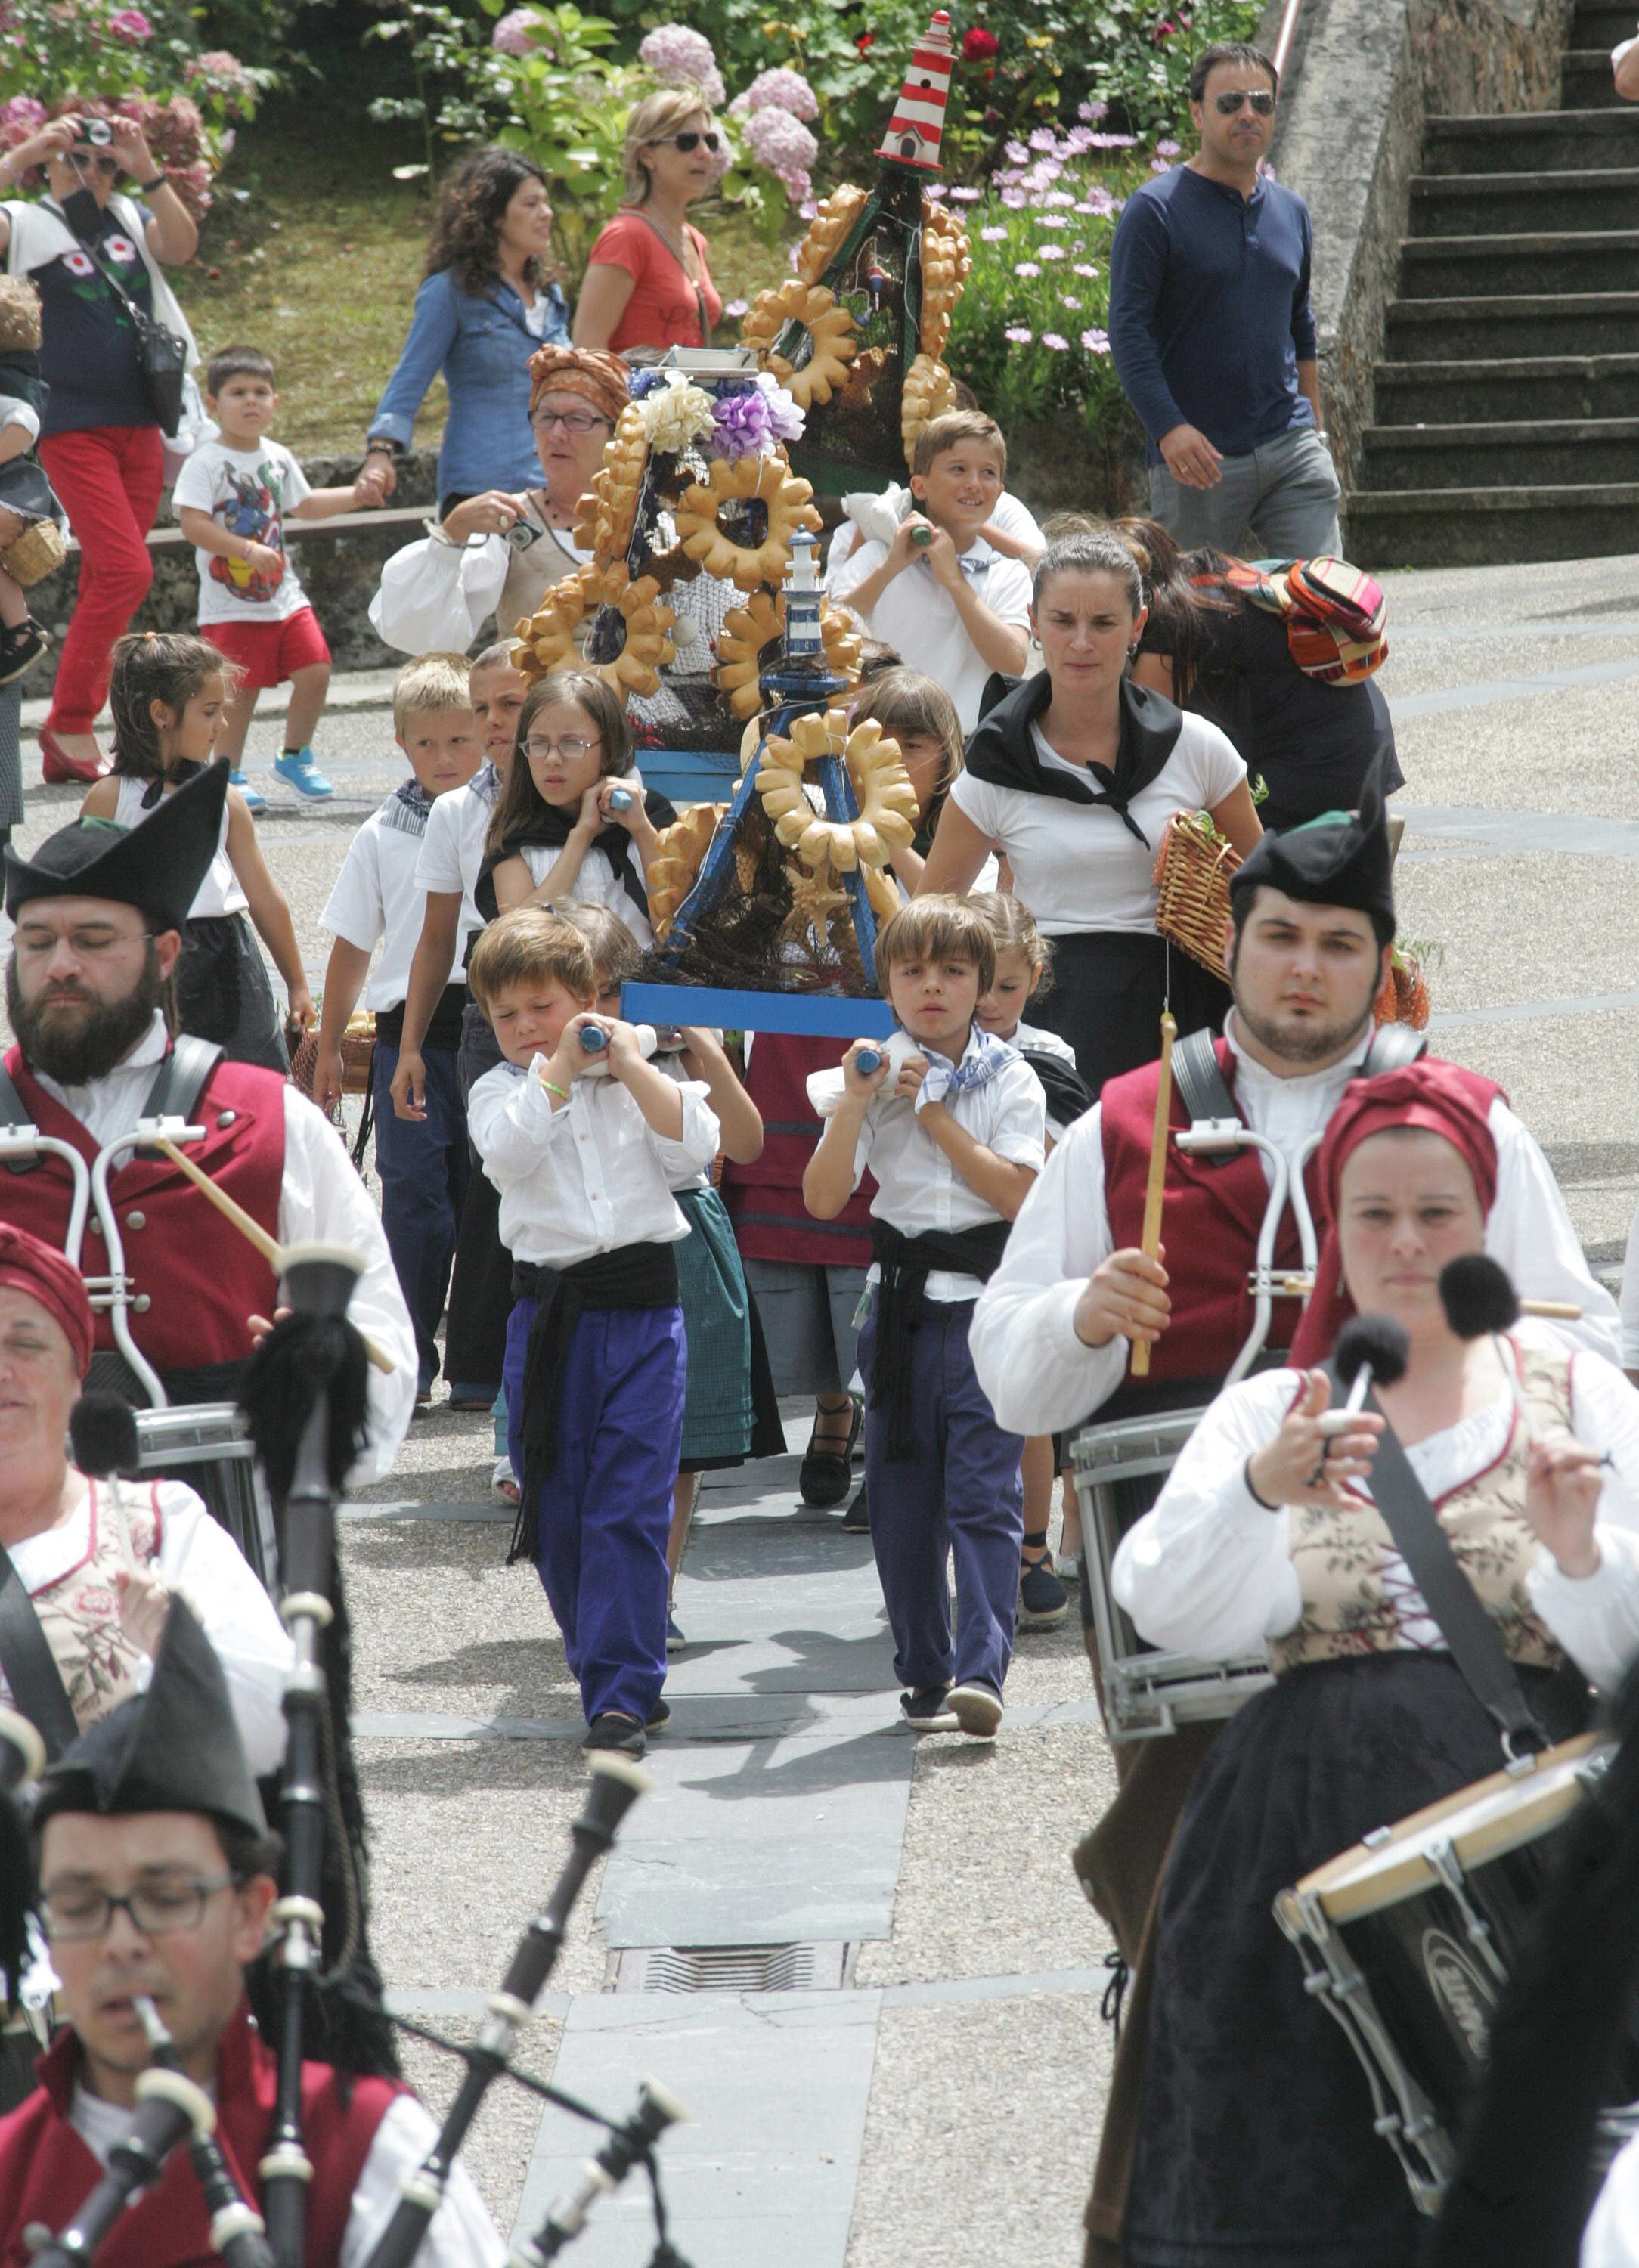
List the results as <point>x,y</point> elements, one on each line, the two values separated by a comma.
<point>648,284</point>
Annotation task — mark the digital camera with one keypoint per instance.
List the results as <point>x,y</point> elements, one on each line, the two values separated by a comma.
<point>97,131</point>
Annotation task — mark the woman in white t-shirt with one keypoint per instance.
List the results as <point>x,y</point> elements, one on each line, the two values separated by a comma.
<point>1072,775</point>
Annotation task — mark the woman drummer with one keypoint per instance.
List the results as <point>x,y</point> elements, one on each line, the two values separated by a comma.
<point>1254,2136</point>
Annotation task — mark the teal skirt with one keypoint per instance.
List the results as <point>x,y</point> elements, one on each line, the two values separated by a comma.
<point>718,1409</point>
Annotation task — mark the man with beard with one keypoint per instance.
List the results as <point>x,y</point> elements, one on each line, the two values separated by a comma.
<point>98,914</point>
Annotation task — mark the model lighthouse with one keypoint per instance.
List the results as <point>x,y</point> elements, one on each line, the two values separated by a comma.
<point>918,120</point>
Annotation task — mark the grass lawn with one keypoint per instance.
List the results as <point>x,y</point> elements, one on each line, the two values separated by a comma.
<point>318,263</point>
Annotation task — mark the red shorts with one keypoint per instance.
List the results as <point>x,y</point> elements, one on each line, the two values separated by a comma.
<point>269,652</point>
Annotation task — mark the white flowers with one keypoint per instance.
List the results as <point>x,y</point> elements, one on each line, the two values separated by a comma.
<point>676,414</point>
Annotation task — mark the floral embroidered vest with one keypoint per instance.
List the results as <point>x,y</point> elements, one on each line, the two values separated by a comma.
<point>79,1611</point>
<point>1340,1557</point>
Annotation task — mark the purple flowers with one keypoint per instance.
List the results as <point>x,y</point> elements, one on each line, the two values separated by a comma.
<point>1027,268</point>
<point>1017,336</point>
<point>784,145</point>
<point>1095,341</point>
<point>741,426</point>
<point>777,89</point>
<point>1056,340</point>
<point>1052,251</point>
<point>966,196</point>
<point>986,235</point>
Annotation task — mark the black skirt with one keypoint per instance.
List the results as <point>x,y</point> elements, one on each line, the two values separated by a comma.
<point>1109,986</point>
<point>223,992</point>
<point>1255,2140</point>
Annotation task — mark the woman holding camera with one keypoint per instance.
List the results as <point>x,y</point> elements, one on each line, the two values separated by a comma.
<point>89,251</point>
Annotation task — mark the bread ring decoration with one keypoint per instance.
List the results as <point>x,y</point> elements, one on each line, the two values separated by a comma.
<point>749,631</point>
<point>830,327</point>
<point>674,867</point>
<point>883,892</point>
<point>768,481</point>
<point>607,515</point>
<point>888,801</point>
<point>828,231</point>
<point>946,259</point>
<point>929,391</point>
<point>548,640</point>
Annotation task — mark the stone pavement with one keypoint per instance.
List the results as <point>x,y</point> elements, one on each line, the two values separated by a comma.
<point>927,2081</point>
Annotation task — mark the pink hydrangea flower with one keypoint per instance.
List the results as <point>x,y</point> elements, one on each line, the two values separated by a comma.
<point>1095,341</point>
<point>223,73</point>
<point>785,146</point>
<point>682,57</point>
<point>23,111</point>
<point>515,34</point>
<point>1017,336</point>
<point>777,89</point>
<point>130,25</point>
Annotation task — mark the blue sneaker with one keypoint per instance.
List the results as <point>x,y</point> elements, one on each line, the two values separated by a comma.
<point>254,796</point>
<point>300,772</point>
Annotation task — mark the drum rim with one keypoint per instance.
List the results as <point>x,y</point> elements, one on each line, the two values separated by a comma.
<point>1392,1885</point>
<point>1120,1429</point>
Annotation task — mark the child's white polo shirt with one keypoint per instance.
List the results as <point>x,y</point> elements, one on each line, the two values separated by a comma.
<point>917,615</point>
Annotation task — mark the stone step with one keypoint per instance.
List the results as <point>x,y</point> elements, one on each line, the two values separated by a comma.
<point>1487,267</point>
<point>1570,452</point>
<point>1588,82</point>
<point>1604,24</point>
<point>1561,386</point>
<point>1534,141</point>
<point>1465,330</point>
<point>1507,204</point>
<point>1476,528</point>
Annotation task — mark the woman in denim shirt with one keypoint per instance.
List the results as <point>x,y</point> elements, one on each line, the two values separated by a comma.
<point>483,309</point>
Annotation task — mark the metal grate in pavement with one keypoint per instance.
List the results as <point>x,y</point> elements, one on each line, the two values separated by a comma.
<point>809,1968</point>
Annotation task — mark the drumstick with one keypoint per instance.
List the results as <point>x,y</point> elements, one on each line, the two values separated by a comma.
<point>1156,1185</point>
<point>271,1250</point>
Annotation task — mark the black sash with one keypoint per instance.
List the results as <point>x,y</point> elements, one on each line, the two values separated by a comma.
<point>443,1026</point>
<point>31,1667</point>
<point>906,1263</point>
<point>634,1276</point>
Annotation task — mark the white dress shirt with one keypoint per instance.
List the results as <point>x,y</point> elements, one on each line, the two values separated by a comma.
<point>918,1189</point>
<point>322,1201</point>
<point>590,1176</point>
<point>453,849</point>
<point>461,2234</point>
<point>1042,1380</point>
<point>917,615</point>
<point>1611,2238</point>
<point>597,884</point>
<point>376,900</point>
<point>1209,1571</point>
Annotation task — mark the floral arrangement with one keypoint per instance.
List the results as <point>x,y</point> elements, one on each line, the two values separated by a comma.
<point>749,421</point>
<point>676,414</point>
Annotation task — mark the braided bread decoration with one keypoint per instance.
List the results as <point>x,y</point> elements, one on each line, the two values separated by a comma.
<point>929,391</point>
<point>946,259</point>
<point>829,324</point>
<point>888,801</point>
<point>749,630</point>
<point>607,515</point>
<point>679,852</point>
<point>547,642</point>
<point>765,480</point>
<point>827,232</point>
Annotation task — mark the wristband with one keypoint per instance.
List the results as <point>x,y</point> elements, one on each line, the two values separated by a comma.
<point>377,448</point>
<point>553,1087</point>
<point>161,180</point>
<point>1246,1474</point>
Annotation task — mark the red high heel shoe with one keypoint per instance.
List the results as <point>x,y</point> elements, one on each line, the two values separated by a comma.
<point>58,767</point>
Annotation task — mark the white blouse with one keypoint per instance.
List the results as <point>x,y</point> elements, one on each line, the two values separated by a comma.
<point>1209,1571</point>
<point>1075,864</point>
<point>597,884</point>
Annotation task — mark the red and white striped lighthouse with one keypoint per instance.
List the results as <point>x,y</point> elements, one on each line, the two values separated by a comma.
<point>918,120</point>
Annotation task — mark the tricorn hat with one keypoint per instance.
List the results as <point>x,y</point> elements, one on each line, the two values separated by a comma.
<point>1343,859</point>
<point>157,865</point>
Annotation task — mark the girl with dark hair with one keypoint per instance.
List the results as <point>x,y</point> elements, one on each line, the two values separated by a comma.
<point>1207,647</point>
<point>168,695</point>
<point>486,307</point>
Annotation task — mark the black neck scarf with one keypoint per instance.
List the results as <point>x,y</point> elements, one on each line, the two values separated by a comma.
<point>1002,750</point>
<point>550,829</point>
<point>179,775</point>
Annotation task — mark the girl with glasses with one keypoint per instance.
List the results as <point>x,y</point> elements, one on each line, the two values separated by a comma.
<point>648,284</point>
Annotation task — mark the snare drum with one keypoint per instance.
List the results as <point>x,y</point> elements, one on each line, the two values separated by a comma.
<point>208,1446</point>
<point>1120,1472</point>
<point>1409,1940</point>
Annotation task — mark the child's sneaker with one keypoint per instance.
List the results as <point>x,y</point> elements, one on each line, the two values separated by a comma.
<point>1042,1599</point>
<point>658,1718</point>
<point>613,1729</point>
<point>929,1711</point>
<point>300,772</point>
<point>20,649</point>
<point>255,800</point>
<point>977,1709</point>
<point>674,1639</point>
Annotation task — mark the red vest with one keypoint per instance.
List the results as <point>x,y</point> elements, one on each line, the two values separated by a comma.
<point>200,1275</point>
<point>47,2172</point>
<point>765,1199</point>
<point>1210,1218</point>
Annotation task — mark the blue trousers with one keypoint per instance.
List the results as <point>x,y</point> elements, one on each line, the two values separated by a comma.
<point>423,1168</point>
<point>605,1508</point>
<point>960,1494</point>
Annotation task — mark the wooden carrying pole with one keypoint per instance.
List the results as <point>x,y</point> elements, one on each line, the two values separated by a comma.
<point>271,1250</point>
<point>1156,1185</point>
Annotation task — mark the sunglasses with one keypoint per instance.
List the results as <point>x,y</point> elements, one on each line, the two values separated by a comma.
<point>712,139</point>
<point>1227,105</point>
<point>82,158</point>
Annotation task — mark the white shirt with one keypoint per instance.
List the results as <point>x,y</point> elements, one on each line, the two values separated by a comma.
<point>13,411</point>
<point>1611,2238</point>
<point>589,1175</point>
<point>247,492</point>
<point>453,849</point>
<point>322,1201</point>
<point>918,1189</point>
<point>1075,864</point>
<point>198,1558</point>
<point>461,2234</point>
<point>1630,1300</point>
<point>597,884</point>
<point>869,517</point>
<point>220,892</point>
<point>377,899</point>
<point>1209,1571</point>
<point>679,1177</point>
<point>917,615</point>
<point>1041,1379</point>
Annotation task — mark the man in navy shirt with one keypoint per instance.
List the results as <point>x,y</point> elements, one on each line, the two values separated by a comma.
<point>1212,334</point>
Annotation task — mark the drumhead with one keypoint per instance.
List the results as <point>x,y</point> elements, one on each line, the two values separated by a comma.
<point>1480,1822</point>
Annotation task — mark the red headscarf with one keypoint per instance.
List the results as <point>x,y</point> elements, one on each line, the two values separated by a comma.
<point>40,1270</point>
<point>1428,1093</point>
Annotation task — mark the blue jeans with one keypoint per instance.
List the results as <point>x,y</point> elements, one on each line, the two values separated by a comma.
<point>422,1166</point>
<point>1285,491</point>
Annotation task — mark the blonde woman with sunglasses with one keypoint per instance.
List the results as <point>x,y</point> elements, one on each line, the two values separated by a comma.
<point>648,283</point>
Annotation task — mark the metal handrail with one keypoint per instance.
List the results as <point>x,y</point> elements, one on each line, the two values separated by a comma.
<point>1286,35</point>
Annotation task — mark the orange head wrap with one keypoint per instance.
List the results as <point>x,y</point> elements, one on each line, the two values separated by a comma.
<point>599,377</point>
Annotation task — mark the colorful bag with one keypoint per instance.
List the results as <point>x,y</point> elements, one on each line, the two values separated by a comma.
<point>1335,616</point>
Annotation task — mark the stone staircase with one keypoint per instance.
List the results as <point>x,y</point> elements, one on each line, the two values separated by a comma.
<point>1507,407</point>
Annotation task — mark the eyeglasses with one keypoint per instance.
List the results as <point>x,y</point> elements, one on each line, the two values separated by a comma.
<point>34,945</point>
<point>158,1909</point>
<point>80,159</point>
<point>572,421</point>
<point>685,142</point>
<point>1227,105</point>
<point>571,750</point>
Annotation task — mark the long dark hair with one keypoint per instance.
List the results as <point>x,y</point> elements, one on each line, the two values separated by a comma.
<point>1179,606</point>
<point>150,665</point>
<point>466,233</point>
<point>521,802</point>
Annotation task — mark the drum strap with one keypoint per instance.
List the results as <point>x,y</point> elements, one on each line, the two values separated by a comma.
<point>1476,1647</point>
<point>30,1666</point>
<point>1199,1080</point>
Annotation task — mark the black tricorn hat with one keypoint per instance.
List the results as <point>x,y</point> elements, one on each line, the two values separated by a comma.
<point>157,865</point>
<point>175,1748</point>
<point>1343,859</point>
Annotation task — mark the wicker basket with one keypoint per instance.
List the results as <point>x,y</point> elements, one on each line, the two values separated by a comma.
<point>357,1043</point>
<point>38,552</point>
<point>1191,879</point>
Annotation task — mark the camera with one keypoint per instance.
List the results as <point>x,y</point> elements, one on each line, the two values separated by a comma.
<point>521,534</point>
<point>97,131</point>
